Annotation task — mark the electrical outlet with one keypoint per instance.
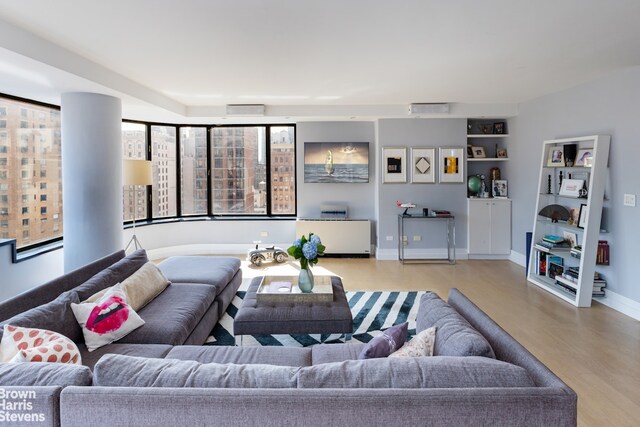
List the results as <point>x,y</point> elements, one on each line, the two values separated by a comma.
<point>264,234</point>
<point>405,241</point>
<point>389,238</point>
<point>630,200</point>
<point>417,238</point>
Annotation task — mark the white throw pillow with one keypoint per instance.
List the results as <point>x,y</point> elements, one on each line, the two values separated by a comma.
<point>107,320</point>
<point>141,287</point>
<point>420,345</point>
<point>37,345</point>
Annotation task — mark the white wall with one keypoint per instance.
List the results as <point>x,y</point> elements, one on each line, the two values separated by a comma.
<point>452,197</point>
<point>20,277</point>
<point>609,106</point>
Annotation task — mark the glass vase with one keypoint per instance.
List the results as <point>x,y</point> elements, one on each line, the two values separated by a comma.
<point>305,280</point>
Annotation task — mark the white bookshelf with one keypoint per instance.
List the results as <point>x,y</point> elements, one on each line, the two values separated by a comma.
<point>588,234</point>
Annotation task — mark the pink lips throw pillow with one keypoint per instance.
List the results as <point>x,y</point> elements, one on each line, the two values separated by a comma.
<point>106,320</point>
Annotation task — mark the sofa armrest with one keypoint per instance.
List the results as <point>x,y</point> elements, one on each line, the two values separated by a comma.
<point>30,406</point>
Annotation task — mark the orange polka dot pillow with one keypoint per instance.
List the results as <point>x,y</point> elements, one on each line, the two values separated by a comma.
<point>37,345</point>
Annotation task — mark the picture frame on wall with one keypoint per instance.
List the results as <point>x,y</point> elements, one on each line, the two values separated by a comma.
<point>394,165</point>
<point>451,165</point>
<point>424,164</point>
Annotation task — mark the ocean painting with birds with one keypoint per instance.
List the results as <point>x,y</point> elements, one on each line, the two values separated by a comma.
<point>336,162</point>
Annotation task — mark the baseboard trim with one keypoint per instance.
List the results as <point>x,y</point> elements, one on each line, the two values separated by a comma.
<point>518,258</point>
<point>436,253</point>
<point>620,303</point>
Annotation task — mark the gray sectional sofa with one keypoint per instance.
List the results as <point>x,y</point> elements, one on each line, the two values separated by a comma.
<point>479,375</point>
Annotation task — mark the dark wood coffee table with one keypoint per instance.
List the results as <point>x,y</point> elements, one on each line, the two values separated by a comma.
<point>293,317</point>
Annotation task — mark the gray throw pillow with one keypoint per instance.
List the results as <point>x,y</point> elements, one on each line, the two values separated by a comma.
<point>113,274</point>
<point>386,343</point>
<point>115,370</point>
<point>44,374</point>
<point>454,335</point>
<point>55,316</point>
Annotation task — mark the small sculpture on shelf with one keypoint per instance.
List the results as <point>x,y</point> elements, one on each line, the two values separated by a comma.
<point>548,184</point>
<point>406,207</point>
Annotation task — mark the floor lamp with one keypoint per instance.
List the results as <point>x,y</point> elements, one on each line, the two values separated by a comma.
<point>136,172</point>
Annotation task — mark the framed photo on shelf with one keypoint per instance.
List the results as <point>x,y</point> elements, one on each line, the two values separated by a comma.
<point>451,167</point>
<point>423,161</point>
<point>470,151</point>
<point>498,128</point>
<point>584,157</point>
<point>499,188</point>
<point>556,157</point>
<point>582,217</point>
<point>478,152</point>
<point>394,165</point>
<point>571,187</point>
<point>501,153</point>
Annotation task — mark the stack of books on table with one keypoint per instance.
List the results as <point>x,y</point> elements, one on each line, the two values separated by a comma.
<point>552,243</point>
<point>439,213</point>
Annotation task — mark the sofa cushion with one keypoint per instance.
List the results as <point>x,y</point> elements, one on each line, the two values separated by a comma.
<point>106,320</point>
<point>37,345</point>
<point>44,374</point>
<point>173,315</point>
<point>454,335</point>
<point>55,316</point>
<point>115,370</point>
<point>281,356</point>
<point>421,345</point>
<point>113,274</point>
<point>141,287</point>
<point>338,352</point>
<point>415,372</point>
<point>216,271</point>
<point>90,358</point>
<point>386,343</point>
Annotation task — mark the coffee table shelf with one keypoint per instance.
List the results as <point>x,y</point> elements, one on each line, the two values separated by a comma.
<point>285,289</point>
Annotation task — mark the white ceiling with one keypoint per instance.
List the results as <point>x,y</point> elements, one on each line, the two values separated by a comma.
<point>177,60</point>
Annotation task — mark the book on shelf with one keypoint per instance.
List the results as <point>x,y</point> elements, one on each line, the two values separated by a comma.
<point>553,238</point>
<point>541,263</point>
<point>603,253</point>
<point>555,266</point>
<point>565,287</point>
<point>546,246</point>
<point>440,213</point>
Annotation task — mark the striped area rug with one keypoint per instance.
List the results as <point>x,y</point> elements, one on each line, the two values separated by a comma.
<point>373,312</point>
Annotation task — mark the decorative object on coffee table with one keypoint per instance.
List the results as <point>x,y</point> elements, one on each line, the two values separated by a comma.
<point>307,250</point>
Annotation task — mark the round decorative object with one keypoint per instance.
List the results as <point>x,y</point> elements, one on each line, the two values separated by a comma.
<point>305,280</point>
<point>474,184</point>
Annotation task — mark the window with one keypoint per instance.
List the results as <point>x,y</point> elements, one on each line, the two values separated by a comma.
<point>163,156</point>
<point>283,156</point>
<point>193,170</point>
<point>43,197</point>
<point>4,198</point>
<point>43,210</point>
<point>134,142</point>
<point>31,135</point>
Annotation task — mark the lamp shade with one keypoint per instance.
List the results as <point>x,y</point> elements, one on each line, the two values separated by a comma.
<point>137,172</point>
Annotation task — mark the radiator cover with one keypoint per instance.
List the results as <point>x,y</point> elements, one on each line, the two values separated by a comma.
<point>341,237</point>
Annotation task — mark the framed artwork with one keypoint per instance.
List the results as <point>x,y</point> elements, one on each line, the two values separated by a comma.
<point>556,157</point>
<point>584,157</point>
<point>582,217</point>
<point>394,165</point>
<point>478,152</point>
<point>570,237</point>
<point>424,163</point>
<point>571,187</point>
<point>336,162</point>
<point>500,189</point>
<point>498,128</point>
<point>451,160</point>
<point>501,153</point>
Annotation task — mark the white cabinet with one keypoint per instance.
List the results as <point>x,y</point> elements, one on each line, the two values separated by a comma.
<point>341,237</point>
<point>489,231</point>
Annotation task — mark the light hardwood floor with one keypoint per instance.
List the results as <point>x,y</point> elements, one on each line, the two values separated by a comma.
<point>596,350</point>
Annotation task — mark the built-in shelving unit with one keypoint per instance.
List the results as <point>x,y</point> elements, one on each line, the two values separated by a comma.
<point>491,135</point>
<point>587,161</point>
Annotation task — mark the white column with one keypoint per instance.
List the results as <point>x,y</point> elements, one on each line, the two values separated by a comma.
<point>91,177</point>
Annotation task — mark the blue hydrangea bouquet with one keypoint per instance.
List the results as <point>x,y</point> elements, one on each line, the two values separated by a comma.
<point>307,250</point>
